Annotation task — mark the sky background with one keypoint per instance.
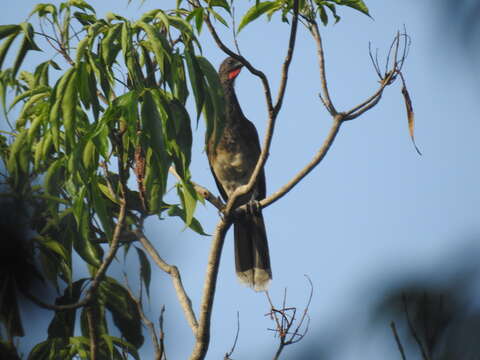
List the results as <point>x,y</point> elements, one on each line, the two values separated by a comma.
<point>372,211</point>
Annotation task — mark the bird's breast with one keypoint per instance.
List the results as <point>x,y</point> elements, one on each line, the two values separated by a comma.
<point>233,168</point>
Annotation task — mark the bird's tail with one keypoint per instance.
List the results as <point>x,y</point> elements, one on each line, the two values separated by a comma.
<point>252,259</point>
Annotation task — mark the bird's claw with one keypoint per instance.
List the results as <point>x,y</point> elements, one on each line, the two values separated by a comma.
<point>253,207</point>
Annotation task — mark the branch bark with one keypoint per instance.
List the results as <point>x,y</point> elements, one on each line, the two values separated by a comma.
<point>327,101</point>
<point>92,332</point>
<point>203,331</point>
<point>171,270</point>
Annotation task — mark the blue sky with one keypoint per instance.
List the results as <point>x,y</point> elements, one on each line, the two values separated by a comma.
<point>373,209</point>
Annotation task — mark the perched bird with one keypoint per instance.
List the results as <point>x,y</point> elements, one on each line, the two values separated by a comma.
<point>232,160</point>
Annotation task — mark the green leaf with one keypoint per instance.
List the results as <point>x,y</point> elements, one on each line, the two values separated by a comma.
<point>354,4</point>
<point>81,4</point>
<point>159,44</point>
<point>218,17</point>
<point>257,10</point>
<point>323,15</point>
<point>109,50</point>
<point>333,9</point>
<point>29,93</point>
<point>63,323</point>
<point>8,30</point>
<point>101,209</point>
<point>124,311</point>
<point>69,105</point>
<point>44,9</point>
<point>188,196</point>
<point>5,46</point>
<point>51,180</point>
<point>122,344</point>
<point>81,48</point>
<point>145,270</point>
<point>196,80</point>
<point>15,150</point>
<point>84,19</point>
<point>195,225</point>
<point>24,47</point>
<point>220,3</point>
<point>215,107</point>
<point>40,351</point>
<point>154,135</point>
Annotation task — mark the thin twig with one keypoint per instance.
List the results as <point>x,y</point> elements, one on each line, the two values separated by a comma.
<point>171,270</point>
<point>413,330</point>
<point>234,27</point>
<point>397,340</point>
<point>321,62</point>
<point>202,191</point>
<point>162,333</point>
<point>228,354</point>
<point>337,121</point>
<point>288,59</point>
<point>145,320</point>
<point>100,272</point>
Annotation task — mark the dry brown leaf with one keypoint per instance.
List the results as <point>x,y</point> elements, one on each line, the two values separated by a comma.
<point>410,113</point>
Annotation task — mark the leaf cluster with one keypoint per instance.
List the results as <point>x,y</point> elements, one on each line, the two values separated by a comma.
<point>96,128</point>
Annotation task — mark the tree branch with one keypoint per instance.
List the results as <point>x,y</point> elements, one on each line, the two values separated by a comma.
<point>92,330</point>
<point>98,276</point>
<point>172,270</point>
<point>203,331</point>
<point>288,58</point>
<point>202,191</point>
<point>272,116</point>
<point>397,340</point>
<point>313,27</point>
<point>146,321</point>
<point>337,121</point>
<point>371,101</point>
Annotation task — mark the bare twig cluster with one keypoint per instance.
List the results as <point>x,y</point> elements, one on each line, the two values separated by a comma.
<point>288,328</point>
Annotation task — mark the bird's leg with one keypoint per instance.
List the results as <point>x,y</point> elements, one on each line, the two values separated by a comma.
<point>253,206</point>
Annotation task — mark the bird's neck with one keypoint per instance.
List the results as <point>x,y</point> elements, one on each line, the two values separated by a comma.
<point>233,110</point>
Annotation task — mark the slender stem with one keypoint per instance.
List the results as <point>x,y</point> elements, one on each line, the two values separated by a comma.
<point>172,270</point>
<point>397,340</point>
<point>337,121</point>
<point>321,62</point>
<point>100,272</point>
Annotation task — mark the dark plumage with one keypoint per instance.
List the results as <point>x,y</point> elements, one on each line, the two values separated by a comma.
<point>232,162</point>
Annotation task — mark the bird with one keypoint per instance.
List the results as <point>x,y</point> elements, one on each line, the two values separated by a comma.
<point>232,158</point>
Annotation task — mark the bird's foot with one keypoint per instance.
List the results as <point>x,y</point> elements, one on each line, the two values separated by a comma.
<point>253,207</point>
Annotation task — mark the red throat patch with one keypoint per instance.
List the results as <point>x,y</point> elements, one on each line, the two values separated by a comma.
<point>234,73</point>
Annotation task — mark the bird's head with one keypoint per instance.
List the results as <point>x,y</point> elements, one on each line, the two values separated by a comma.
<point>229,69</point>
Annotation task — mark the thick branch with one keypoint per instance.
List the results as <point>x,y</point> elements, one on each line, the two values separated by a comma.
<point>92,332</point>
<point>176,279</point>
<point>203,332</point>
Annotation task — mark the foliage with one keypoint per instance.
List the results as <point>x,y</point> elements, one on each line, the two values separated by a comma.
<point>99,127</point>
